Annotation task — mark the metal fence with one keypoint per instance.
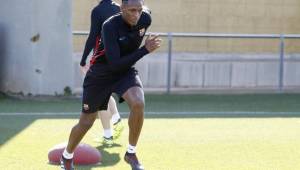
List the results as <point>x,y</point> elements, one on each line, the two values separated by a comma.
<point>170,36</point>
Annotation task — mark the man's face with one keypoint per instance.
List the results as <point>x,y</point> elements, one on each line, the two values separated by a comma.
<point>131,11</point>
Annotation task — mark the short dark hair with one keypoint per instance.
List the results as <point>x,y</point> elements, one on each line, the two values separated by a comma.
<point>126,1</point>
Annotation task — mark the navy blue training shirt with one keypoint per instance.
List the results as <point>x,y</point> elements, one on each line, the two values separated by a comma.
<point>104,10</point>
<point>120,42</point>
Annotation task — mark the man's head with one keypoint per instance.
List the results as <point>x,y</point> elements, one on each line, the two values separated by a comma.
<point>131,11</point>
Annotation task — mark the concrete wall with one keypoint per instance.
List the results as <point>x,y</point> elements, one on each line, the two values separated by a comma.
<point>212,16</point>
<point>194,71</point>
<point>36,46</point>
<point>214,63</point>
<point>220,71</point>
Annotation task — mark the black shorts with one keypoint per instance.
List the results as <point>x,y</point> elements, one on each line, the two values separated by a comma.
<point>98,89</point>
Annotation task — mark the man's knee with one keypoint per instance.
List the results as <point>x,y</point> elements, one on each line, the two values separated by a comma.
<point>137,105</point>
<point>87,122</point>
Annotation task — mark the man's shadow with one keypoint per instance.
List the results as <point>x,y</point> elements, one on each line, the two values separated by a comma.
<point>108,159</point>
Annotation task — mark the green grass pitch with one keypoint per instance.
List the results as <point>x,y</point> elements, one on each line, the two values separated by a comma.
<point>202,132</point>
<point>166,143</point>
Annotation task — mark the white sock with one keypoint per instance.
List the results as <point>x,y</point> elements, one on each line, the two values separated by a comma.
<point>107,133</point>
<point>115,117</point>
<point>131,149</point>
<point>67,155</point>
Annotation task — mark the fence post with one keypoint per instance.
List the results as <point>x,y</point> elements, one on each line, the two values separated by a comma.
<point>169,62</point>
<point>281,63</point>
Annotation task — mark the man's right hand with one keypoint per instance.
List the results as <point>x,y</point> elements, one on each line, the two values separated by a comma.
<point>152,43</point>
<point>84,69</point>
<point>82,62</point>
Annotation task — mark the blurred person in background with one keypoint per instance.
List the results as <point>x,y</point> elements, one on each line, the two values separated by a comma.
<point>104,10</point>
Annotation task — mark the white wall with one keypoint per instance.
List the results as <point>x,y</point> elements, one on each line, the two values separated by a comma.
<point>40,65</point>
<point>234,72</point>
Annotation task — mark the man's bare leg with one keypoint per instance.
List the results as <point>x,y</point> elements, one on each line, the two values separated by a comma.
<point>77,133</point>
<point>136,102</point>
<point>79,130</point>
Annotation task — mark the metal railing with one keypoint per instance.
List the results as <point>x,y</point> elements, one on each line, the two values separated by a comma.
<point>170,36</point>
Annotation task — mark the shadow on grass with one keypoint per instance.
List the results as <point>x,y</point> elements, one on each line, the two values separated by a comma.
<point>108,159</point>
<point>12,125</point>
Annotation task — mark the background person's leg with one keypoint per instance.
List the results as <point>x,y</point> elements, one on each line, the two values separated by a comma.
<point>112,107</point>
<point>105,117</point>
<point>115,118</point>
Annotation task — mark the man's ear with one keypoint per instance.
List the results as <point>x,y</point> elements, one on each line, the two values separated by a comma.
<point>122,7</point>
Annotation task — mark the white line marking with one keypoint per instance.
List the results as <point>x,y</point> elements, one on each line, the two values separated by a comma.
<point>156,113</point>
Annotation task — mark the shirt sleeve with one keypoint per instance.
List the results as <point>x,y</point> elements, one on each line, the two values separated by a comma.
<point>94,31</point>
<point>118,63</point>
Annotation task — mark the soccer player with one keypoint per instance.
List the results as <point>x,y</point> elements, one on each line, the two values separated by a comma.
<point>114,71</point>
<point>104,10</point>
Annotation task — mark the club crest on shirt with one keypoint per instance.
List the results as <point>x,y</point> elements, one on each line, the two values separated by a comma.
<point>142,32</point>
<point>86,107</point>
<point>122,38</point>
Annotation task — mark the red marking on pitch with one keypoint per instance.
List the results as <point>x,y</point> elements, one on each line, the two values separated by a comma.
<point>84,154</point>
